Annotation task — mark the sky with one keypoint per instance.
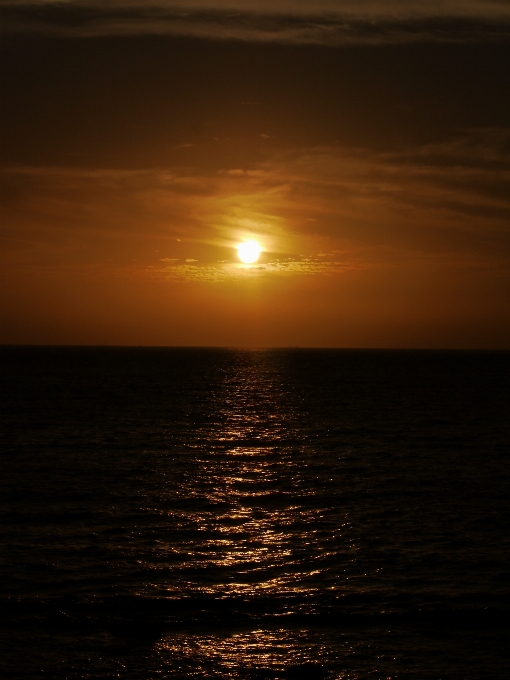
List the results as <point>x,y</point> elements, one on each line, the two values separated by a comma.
<point>364,145</point>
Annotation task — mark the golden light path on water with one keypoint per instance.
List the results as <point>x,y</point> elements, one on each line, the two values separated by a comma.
<point>254,532</point>
<point>265,654</point>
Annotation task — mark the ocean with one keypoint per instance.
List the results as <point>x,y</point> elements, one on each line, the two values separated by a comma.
<point>270,514</point>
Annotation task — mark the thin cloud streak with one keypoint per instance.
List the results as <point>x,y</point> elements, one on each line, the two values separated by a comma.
<point>360,8</point>
<point>221,273</point>
<point>321,23</point>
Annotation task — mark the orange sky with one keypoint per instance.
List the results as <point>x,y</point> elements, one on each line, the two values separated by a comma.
<point>367,153</point>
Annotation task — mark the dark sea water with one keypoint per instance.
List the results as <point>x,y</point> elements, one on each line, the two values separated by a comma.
<point>216,513</point>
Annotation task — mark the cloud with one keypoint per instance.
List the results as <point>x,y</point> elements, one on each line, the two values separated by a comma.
<point>231,272</point>
<point>325,22</point>
<point>316,211</point>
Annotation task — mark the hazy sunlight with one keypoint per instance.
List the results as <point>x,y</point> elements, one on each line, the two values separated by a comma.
<point>249,251</point>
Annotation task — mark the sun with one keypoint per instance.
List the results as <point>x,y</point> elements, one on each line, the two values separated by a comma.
<point>249,251</point>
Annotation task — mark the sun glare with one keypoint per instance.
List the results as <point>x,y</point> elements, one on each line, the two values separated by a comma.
<point>249,251</point>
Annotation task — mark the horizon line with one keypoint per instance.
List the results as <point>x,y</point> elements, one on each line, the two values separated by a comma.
<point>254,347</point>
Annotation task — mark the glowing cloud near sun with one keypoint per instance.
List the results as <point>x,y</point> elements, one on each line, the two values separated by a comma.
<point>249,251</point>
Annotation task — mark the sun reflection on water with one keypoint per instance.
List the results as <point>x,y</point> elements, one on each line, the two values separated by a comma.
<point>249,518</point>
<point>251,543</point>
<point>263,654</point>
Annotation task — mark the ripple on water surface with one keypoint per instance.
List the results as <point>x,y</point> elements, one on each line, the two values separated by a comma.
<point>270,514</point>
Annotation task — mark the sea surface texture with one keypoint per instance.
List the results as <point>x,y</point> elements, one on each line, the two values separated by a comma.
<point>269,514</point>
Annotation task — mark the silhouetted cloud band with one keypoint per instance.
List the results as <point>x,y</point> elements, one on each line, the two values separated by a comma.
<point>322,24</point>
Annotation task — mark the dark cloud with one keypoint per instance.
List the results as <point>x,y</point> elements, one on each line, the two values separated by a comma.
<point>324,23</point>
